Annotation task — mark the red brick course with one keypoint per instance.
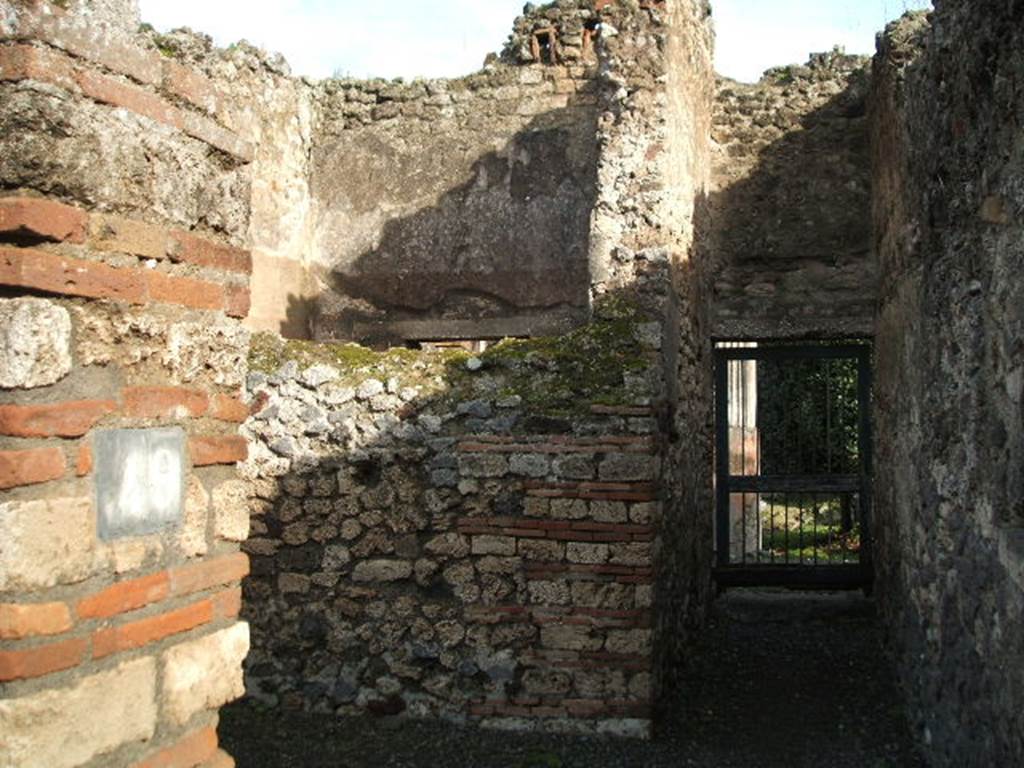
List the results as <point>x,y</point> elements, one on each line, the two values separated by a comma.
<point>144,631</point>
<point>210,450</point>
<point>42,660</point>
<point>42,271</point>
<point>164,402</point>
<point>188,579</point>
<point>68,419</point>
<point>183,246</point>
<point>38,270</point>
<point>20,62</point>
<point>192,750</point>
<point>22,217</point>
<point>125,596</point>
<point>18,621</point>
<point>36,465</point>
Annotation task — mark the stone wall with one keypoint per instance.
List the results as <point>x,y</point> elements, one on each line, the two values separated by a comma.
<point>454,209</point>
<point>479,538</point>
<point>791,200</point>
<point>124,271</point>
<point>949,220</point>
<point>648,236</point>
<point>438,535</point>
<point>253,95</point>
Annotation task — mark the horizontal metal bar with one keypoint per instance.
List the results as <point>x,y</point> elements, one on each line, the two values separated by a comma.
<point>842,352</point>
<point>806,576</point>
<point>793,483</point>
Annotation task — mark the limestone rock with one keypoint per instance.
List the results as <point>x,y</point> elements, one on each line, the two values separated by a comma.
<point>46,728</point>
<point>35,343</point>
<point>204,673</point>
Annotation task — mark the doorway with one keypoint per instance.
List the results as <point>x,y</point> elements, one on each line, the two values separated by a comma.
<point>793,464</point>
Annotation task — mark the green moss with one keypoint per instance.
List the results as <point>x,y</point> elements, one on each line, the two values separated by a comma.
<point>554,375</point>
<point>165,45</point>
<point>564,375</point>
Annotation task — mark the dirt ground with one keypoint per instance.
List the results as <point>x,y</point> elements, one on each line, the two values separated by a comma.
<point>778,680</point>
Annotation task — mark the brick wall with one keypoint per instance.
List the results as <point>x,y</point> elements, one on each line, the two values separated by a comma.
<point>446,536</point>
<point>124,275</point>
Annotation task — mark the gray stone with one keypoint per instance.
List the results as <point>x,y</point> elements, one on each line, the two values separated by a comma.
<point>35,343</point>
<point>319,374</point>
<point>336,557</point>
<point>575,466</point>
<point>480,409</point>
<point>370,389</point>
<point>627,467</point>
<point>382,570</point>
<point>483,465</point>
<point>285,446</point>
<point>529,464</point>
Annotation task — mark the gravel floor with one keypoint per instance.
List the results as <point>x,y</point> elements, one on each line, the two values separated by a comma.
<point>778,680</point>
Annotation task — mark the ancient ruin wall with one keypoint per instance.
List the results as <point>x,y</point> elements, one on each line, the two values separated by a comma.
<point>459,208</point>
<point>791,201</point>
<point>949,219</point>
<point>123,219</point>
<point>436,535</point>
<point>253,95</point>
<point>476,538</point>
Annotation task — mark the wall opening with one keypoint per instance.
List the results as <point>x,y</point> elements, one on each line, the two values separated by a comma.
<point>793,464</point>
<point>544,46</point>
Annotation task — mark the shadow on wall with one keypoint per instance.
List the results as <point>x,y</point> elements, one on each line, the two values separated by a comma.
<point>448,536</point>
<point>298,317</point>
<point>509,244</point>
<point>792,205</point>
<point>522,537</point>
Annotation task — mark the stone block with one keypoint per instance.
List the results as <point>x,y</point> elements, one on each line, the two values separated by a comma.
<point>550,593</point>
<point>579,552</point>
<point>494,545</point>
<point>453,545</point>
<point>204,673</point>
<point>529,464</point>
<point>231,510</point>
<point>483,465</point>
<point>636,553</point>
<point>66,727</point>
<point>215,351</point>
<point>546,681</point>
<point>192,533</point>
<point>382,570</point>
<point>575,466</point>
<point>626,727</point>
<point>569,637</point>
<point>625,467</point>
<point>544,551</point>
<point>609,511</point>
<point>46,543</point>
<point>35,343</point>
<point>629,641</point>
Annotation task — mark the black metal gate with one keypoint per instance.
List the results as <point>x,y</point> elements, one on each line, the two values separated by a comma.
<point>793,465</point>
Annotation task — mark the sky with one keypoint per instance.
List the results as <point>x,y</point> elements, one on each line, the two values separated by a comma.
<point>447,38</point>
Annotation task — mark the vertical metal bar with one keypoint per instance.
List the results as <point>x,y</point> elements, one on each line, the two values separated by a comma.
<point>864,448</point>
<point>785,507</point>
<point>814,525</point>
<point>828,416</point>
<point>800,523</point>
<point>722,457</point>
